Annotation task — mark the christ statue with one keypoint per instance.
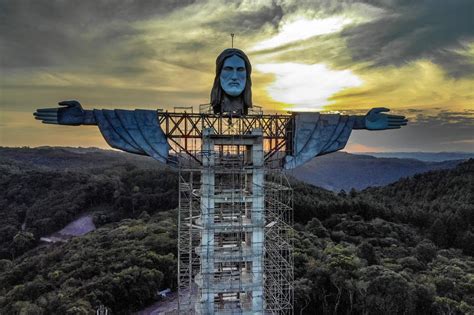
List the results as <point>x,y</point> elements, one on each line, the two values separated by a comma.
<point>138,131</point>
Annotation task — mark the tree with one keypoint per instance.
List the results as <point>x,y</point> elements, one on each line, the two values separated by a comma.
<point>425,251</point>
<point>22,241</point>
<point>439,233</point>
<point>466,243</point>
<point>27,308</point>
<point>389,293</point>
<point>367,252</point>
<point>302,294</point>
<point>314,226</point>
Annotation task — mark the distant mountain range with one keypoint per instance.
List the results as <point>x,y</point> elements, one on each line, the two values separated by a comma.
<point>341,170</point>
<point>334,171</point>
<point>424,156</point>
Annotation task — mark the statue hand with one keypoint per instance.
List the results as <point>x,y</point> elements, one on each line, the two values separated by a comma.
<point>71,114</point>
<point>375,120</point>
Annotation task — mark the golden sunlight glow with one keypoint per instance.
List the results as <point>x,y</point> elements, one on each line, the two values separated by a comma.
<point>306,57</point>
<point>420,84</point>
<point>306,87</point>
<point>303,29</point>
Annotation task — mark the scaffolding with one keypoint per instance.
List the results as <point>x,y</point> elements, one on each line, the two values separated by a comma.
<point>184,130</point>
<point>235,229</point>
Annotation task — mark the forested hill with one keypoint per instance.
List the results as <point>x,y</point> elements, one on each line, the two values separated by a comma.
<point>38,200</point>
<point>440,203</point>
<point>336,171</point>
<point>73,159</point>
<point>406,248</point>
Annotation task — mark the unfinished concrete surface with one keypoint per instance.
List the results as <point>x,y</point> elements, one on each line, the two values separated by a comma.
<point>235,249</point>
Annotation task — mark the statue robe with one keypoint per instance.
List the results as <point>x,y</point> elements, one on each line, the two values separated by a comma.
<point>138,131</point>
<point>318,134</point>
<point>135,131</point>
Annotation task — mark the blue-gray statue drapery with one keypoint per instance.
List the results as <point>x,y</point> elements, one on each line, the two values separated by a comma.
<point>138,131</point>
<point>135,131</point>
<point>317,134</point>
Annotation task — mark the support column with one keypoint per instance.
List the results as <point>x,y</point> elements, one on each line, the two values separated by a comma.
<point>232,224</point>
<point>207,219</point>
<point>258,222</point>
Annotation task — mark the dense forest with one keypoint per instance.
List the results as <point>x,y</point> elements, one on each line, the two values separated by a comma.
<point>405,248</point>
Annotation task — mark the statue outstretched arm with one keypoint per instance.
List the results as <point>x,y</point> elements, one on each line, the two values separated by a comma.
<point>135,131</point>
<point>70,113</point>
<point>376,120</point>
<point>318,134</point>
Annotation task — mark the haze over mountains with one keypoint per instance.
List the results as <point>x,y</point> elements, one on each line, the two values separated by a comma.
<point>336,171</point>
<point>423,156</point>
<point>341,170</point>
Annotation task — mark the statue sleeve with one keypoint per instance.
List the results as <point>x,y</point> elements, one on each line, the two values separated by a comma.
<point>317,134</point>
<point>135,131</point>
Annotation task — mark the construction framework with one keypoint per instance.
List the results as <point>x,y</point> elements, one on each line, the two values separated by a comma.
<point>235,216</point>
<point>185,130</point>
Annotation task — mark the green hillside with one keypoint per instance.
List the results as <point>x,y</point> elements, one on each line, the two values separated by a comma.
<point>121,265</point>
<point>405,248</point>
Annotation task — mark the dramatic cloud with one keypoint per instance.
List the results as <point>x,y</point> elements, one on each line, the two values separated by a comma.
<point>413,56</point>
<point>59,33</point>
<point>463,119</point>
<point>411,30</point>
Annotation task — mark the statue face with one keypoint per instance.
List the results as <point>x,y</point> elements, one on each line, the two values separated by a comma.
<point>233,76</point>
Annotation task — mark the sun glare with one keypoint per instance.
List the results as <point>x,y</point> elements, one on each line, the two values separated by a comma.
<point>306,87</point>
<point>303,29</point>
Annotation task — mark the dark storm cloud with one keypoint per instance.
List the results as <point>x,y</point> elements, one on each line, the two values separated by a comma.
<point>250,22</point>
<point>44,33</point>
<point>410,30</point>
<point>215,35</point>
<point>461,119</point>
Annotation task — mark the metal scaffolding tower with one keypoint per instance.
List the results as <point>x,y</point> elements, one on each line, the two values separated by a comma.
<point>235,221</point>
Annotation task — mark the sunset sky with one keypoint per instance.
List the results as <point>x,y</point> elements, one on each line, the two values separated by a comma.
<point>415,57</point>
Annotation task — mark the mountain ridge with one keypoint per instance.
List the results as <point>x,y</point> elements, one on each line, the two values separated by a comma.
<point>345,171</point>
<point>337,171</point>
<point>423,156</point>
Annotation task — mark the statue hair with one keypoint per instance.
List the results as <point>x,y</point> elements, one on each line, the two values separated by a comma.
<point>217,93</point>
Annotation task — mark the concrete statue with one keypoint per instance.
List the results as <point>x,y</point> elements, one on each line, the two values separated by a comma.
<point>139,132</point>
<point>232,89</point>
<point>234,243</point>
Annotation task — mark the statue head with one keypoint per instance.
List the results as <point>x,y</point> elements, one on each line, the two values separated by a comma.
<point>233,70</point>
